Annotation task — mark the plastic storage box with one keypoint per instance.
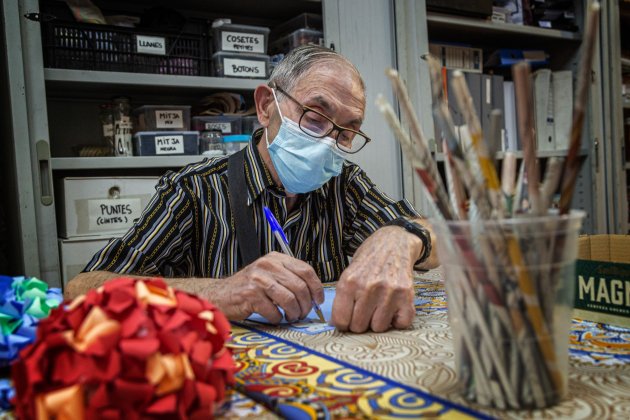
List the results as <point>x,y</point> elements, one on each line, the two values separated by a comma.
<point>228,124</point>
<point>295,39</point>
<point>249,124</point>
<point>302,21</point>
<point>240,38</point>
<point>162,118</point>
<point>73,45</point>
<point>165,143</point>
<point>253,66</point>
<point>234,143</point>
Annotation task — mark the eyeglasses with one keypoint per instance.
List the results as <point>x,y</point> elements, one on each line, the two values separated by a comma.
<point>318,125</point>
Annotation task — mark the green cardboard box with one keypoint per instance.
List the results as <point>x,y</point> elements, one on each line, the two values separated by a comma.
<point>602,292</point>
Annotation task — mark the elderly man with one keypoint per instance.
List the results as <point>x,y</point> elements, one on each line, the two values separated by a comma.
<point>311,113</point>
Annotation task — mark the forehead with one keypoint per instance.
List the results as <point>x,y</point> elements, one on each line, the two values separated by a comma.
<point>335,83</point>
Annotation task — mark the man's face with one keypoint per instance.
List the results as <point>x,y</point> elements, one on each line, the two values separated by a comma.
<point>331,89</point>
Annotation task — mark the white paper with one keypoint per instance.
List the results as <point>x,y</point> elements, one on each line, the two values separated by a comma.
<point>169,145</point>
<point>244,68</point>
<point>243,42</point>
<point>155,45</point>
<point>169,118</point>
<point>113,213</point>
<point>225,127</point>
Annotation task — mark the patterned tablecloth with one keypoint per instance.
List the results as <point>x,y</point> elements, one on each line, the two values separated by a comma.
<point>410,373</point>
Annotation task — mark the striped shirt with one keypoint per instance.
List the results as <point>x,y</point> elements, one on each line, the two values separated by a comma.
<point>187,229</point>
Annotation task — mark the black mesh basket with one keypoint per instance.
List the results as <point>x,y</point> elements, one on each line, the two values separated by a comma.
<point>72,45</point>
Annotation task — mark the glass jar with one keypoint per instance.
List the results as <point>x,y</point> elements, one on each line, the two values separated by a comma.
<point>121,110</point>
<point>211,143</point>
<point>107,124</point>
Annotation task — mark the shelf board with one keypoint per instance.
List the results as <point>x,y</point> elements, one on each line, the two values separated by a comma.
<point>484,27</point>
<point>63,79</point>
<point>625,65</point>
<point>627,165</point>
<point>133,162</point>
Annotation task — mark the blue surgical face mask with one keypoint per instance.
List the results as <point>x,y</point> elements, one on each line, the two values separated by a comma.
<point>303,163</point>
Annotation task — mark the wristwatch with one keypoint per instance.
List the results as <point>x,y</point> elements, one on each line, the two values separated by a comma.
<point>418,230</point>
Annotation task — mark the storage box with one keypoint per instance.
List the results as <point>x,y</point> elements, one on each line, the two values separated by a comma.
<point>240,38</point>
<point>235,143</point>
<point>457,57</point>
<point>75,253</point>
<point>602,292</point>
<point>73,45</point>
<point>295,39</point>
<point>162,118</point>
<point>250,124</point>
<point>301,21</point>
<point>253,66</point>
<point>98,205</point>
<point>165,143</point>
<point>228,124</point>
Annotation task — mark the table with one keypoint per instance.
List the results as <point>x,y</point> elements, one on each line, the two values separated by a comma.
<point>411,373</point>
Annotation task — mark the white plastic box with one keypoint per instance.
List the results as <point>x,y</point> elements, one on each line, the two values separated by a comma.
<point>235,143</point>
<point>240,38</point>
<point>252,66</point>
<point>101,206</point>
<point>162,118</point>
<point>75,253</point>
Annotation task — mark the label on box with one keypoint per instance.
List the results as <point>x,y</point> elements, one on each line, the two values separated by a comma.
<point>113,213</point>
<point>169,118</point>
<point>239,41</point>
<point>602,291</point>
<point>150,45</point>
<point>169,145</point>
<point>244,68</point>
<point>225,127</point>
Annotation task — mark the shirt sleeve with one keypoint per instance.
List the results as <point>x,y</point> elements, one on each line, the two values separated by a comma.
<point>155,244</point>
<point>367,209</point>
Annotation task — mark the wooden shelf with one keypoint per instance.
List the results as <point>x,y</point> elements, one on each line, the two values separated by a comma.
<point>627,166</point>
<point>133,162</point>
<point>484,28</point>
<point>625,65</point>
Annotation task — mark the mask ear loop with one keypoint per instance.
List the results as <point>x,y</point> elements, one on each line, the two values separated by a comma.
<point>275,98</point>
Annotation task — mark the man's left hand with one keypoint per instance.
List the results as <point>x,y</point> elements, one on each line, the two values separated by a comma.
<point>376,290</point>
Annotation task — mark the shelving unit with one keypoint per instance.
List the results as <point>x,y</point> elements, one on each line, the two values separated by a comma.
<point>420,27</point>
<point>53,110</point>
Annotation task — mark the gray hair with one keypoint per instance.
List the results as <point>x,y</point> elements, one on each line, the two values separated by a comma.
<point>300,60</point>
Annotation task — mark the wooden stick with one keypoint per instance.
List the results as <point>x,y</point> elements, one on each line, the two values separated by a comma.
<point>525,110</point>
<point>418,160</point>
<point>572,164</point>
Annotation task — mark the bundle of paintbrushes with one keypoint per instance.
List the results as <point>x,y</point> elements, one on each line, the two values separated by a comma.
<point>508,258</point>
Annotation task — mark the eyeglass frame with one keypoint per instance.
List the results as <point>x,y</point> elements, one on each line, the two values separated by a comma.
<point>335,126</point>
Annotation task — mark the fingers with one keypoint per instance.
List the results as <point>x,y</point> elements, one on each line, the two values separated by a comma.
<point>343,307</point>
<point>287,282</point>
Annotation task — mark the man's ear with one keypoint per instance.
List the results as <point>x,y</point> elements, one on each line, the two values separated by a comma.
<point>263,98</point>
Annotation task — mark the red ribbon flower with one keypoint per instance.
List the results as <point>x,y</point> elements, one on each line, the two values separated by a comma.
<point>131,349</point>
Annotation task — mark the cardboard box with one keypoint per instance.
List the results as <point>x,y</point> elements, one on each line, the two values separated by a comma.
<point>602,292</point>
<point>75,253</point>
<point>88,206</point>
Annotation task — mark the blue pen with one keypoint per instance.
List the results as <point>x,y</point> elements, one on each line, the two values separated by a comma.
<point>278,233</point>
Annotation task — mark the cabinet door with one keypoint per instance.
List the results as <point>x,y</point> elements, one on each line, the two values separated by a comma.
<point>362,30</point>
<point>615,155</point>
<point>15,152</point>
<point>46,266</point>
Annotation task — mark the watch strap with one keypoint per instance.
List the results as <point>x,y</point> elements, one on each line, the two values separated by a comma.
<point>418,230</point>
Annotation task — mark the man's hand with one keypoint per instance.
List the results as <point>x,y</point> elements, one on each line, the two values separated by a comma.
<point>274,279</point>
<point>376,290</point>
